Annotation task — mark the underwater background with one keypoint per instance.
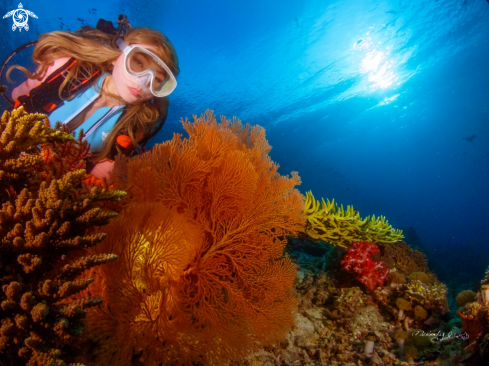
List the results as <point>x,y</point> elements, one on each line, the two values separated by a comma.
<point>382,105</point>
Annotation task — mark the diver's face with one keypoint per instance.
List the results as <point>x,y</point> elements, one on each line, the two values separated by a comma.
<point>126,86</point>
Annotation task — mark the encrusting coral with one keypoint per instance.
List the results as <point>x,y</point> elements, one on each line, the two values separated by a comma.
<point>201,276</point>
<point>45,220</point>
<point>333,224</point>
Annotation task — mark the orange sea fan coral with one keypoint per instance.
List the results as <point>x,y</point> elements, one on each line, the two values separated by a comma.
<point>142,292</point>
<point>228,289</point>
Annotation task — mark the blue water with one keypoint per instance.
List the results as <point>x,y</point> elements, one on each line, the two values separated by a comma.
<point>370,101</point>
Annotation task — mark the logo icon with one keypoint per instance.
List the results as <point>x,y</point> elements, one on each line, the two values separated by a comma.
<point>20,17</point>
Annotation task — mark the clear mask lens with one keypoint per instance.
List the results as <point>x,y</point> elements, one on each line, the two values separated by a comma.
<point>148,70</point>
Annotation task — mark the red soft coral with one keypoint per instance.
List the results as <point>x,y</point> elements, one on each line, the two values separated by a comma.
<point>359,260</point>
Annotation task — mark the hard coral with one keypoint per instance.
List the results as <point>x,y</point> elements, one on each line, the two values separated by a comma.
<point>359,260</point>
<point>397,278</point>
<point>328,222</point>
<point>410,352</point>
<point>420,312</point>
<point>470,320</point>
<point>430,296</point>
<point>464,297</point>
<point>407,259</point>
<point>201,277</point>
<point>43,231</point>
<point>420,276</point>
<point>403,304</point>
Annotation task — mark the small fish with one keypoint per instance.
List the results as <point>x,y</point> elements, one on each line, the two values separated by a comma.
<point>470,138</point>
<point>80,20</point>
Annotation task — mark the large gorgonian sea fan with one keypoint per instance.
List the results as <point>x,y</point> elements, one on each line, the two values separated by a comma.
<point>45,219</point>
<point>201,277</point>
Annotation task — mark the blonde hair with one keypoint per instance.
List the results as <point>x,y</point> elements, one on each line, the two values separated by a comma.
<point>94,50</point>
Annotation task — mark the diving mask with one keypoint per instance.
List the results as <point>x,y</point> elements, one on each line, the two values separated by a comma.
<point>147,70</point>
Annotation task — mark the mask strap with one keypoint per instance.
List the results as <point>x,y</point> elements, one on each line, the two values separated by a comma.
<point>123,46</point>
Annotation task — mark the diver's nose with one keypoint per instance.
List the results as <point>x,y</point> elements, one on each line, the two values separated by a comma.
<point>144,80</point>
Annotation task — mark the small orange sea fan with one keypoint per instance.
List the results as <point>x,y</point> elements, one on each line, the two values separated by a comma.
<point>221,288</point>
<point>155,244</point>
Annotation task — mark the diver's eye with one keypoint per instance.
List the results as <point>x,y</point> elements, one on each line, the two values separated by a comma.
<point>158,80</point>
<point>138,62</point>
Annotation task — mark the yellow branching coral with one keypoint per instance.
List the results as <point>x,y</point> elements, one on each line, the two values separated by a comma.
<point>333,224</point>
<point>20,133</point>
<point>44,228</point>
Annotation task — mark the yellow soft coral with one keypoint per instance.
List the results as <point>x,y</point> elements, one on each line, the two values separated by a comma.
<point>333,224</point>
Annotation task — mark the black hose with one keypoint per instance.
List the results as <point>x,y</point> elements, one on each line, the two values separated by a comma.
<point>4,89</point>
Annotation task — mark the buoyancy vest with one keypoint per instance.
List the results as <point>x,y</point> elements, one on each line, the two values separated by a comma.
<point>98,125</point>
<point>45,98</point>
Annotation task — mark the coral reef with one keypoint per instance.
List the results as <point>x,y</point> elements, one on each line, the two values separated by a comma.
<point>420,312</point>
<point>318,257</point>
<point>328,222</point>
<point>359,260</point>
<point>410,353</point>
<point>45,224</point>
<point>397,278</point>
<point>475,321</point>
<point>339,323</point>
<point>405,259</point>
<point>201,277</point>
<point>430,296</point>
<point>421,277</point>
<point>464,297</point>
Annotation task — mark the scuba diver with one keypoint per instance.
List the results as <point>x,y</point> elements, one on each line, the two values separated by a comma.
<point>112,83</point>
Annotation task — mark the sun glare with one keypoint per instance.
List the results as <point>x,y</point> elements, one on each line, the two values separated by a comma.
<point>376,64</point>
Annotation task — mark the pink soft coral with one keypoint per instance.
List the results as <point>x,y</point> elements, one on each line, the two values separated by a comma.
<point>359,260</point>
